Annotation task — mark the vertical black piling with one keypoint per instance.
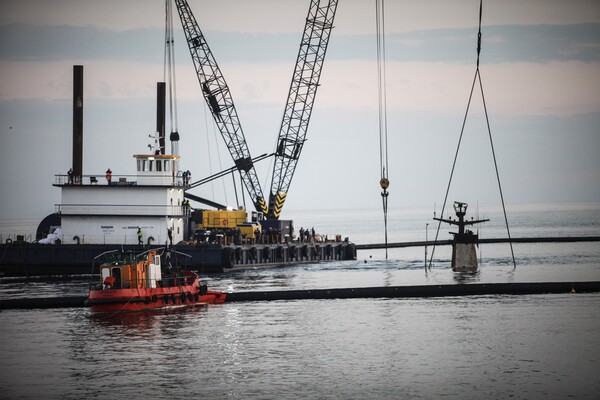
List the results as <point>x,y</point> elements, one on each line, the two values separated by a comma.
<point>77,122</point>
<point>160,114</point>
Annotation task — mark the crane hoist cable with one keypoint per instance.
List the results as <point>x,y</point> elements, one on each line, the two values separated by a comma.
<point>169,76</point>
<point>476,78</point>
<point>382,103</point>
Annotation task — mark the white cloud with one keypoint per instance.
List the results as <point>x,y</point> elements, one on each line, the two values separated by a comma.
<point>558,88</point>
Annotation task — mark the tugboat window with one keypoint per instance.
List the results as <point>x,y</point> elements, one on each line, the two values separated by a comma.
<point>116,273</point>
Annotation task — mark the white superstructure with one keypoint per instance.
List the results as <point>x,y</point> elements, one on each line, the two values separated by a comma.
<point>103,209</point>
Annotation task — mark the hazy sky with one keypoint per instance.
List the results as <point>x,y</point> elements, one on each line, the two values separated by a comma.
<point>540,66</point>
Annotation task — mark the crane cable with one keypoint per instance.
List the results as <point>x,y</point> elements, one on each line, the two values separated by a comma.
<point>476,78</point>
<point>169,69</point>
<point>382,98</point>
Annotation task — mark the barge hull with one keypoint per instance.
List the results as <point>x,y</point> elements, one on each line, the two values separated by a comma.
<point>33,259</point>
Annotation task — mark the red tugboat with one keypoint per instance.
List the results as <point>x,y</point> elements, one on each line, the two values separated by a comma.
<point>133,282</point>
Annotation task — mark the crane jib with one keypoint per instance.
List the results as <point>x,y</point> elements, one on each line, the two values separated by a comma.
<point>305,82</point>
<point>244,164</point>
<point>220,102</point>
<point>301,97</point>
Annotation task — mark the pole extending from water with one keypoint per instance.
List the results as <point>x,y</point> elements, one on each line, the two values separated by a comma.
<point>426,240</point>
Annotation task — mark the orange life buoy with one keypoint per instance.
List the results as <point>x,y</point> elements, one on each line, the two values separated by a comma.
<point>225,222</point>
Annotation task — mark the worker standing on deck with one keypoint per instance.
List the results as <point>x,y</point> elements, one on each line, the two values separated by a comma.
<point>187,175</point>
<point>256,236</point>
<point>108,175</point>
<point>139,233</point>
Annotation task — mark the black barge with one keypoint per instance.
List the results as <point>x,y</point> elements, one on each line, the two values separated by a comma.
<point>33,259</point>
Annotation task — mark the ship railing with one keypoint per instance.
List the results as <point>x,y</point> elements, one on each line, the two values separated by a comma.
<point>175,281</point>
<point>122,209</point>
<point>129,236</point>
<point>118,180</point>
<point>15,237</point>
<point>164,282</point>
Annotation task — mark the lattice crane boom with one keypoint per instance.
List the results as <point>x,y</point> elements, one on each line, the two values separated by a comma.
<point>219,99</point>
<point>301,97</point>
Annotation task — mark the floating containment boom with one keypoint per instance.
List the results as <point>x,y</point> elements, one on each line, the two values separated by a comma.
<point>479,289</point>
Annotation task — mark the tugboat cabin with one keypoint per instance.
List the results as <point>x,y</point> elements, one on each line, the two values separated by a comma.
<point>128,271</point>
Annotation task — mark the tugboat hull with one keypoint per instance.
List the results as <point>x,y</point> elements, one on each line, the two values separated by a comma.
<point>135,282</point>
<point>123,300</point>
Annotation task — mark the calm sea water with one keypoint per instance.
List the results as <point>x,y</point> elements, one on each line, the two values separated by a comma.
<point>524,347</point>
